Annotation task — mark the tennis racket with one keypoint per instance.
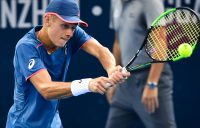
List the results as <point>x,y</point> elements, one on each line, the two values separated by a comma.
<point>171,29</point>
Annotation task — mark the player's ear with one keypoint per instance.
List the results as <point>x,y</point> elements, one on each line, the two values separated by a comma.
<point>47,19</point>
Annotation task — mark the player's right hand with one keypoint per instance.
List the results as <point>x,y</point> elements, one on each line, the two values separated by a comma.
<point>118,74</point>
<point>98,85</point>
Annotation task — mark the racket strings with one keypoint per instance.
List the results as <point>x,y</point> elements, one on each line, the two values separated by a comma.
<point>178,27</point>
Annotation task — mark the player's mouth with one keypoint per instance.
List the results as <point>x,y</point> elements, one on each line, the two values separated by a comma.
<point>65,39</point>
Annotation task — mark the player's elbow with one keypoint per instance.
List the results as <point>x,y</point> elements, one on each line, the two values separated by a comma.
<point>45,92</point>
<point>46,96</point>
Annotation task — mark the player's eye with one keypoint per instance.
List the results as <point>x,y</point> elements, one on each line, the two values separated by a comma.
<point>66,26</point>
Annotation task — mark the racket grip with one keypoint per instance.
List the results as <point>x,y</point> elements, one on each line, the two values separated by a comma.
<point>108,85</point>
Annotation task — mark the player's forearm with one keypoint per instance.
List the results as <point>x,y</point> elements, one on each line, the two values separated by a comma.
<point>155,72</point>
<point>102,53</point>
<point>55,90</point>
<point>107,59</point>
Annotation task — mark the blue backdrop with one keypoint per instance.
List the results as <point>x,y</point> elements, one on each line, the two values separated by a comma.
<point>90,110</point>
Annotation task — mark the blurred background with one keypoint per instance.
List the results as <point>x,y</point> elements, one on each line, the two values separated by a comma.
<point>90,110</point>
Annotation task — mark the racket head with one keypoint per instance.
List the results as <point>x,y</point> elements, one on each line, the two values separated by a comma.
<point>171,29</point>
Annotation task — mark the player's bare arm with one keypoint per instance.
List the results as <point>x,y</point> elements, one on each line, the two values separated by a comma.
<point>117,55</point>
<point>106,58</point>
<point>59,90</point>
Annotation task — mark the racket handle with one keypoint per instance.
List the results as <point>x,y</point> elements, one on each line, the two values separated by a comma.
<point>108,85</point>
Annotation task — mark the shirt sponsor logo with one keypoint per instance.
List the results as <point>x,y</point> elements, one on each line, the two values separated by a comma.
<point>31,63</point>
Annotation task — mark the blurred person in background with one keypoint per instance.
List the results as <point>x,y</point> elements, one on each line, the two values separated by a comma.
<point>146,95</point>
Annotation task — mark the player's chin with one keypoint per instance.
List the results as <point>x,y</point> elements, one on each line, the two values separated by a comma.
<point>61,43</point>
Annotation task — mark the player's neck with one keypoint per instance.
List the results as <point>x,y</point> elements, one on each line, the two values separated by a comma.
<point>44,39</point>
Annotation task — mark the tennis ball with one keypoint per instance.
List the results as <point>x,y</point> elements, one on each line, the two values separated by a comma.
<point>185,50</point>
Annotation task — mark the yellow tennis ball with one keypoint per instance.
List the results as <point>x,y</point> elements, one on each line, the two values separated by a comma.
<point>185,50</point>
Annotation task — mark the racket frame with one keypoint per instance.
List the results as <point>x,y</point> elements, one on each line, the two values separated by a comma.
<point>131,69</point>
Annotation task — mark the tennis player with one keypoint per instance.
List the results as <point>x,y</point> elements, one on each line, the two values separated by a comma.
<point>41,61</point>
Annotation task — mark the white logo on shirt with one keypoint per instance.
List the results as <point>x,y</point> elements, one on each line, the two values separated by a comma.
<point>31,63</point>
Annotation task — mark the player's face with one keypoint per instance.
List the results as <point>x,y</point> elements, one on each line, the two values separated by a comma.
<point>60,32</point>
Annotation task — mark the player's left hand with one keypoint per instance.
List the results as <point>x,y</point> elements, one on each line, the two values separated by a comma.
<point>117,74</point>
<point>150,99</point>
